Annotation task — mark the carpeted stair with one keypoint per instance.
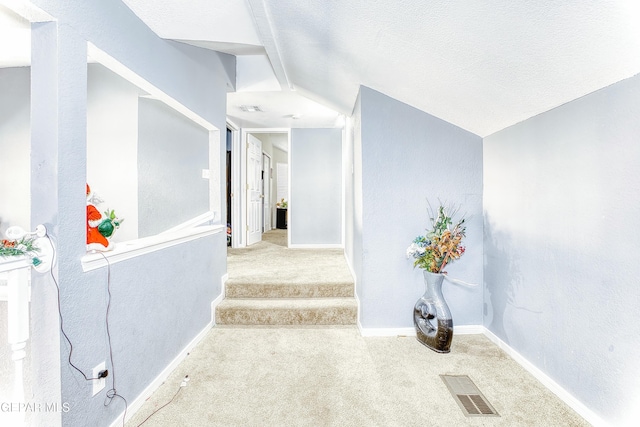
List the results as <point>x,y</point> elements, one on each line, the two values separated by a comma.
<point>270,284</point>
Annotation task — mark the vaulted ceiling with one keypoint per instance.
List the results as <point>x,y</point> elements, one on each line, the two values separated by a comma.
<point>480,65</point>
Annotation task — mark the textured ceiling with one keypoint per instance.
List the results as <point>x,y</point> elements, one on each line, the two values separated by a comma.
<point>480,65</point>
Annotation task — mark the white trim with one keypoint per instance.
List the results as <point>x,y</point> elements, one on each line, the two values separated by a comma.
<point>543,378</point>
<point>194,222</point>
<point>267,227</point>
<point>289,211</point>
<point>387,332</point>
<point>343,186</point>
<point>355,288</point>
<point>411,332</point>
<point>554,387</point>
<point>13,263</point>
<point>216,302</point>
<point>157,382</point>
<point>236,186</point>
<point>134,248</point>
<point>27,10</point>
<point>316,246</point>
<point>468,329</point>
<point>117,67</point>
<point>549,383</point>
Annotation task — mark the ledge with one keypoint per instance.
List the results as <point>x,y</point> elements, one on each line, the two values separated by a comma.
<point>14,262</point>
<point>134,248</point>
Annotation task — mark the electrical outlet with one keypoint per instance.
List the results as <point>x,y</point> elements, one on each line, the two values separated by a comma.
<point>100,383</point>
<point>206,174</point>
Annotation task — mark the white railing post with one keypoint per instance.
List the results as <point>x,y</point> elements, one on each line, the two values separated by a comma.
<point>18,324</point>
<point>16,293</point>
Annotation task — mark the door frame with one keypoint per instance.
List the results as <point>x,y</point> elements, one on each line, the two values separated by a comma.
<point>267,199</point>
<point>240,215</point>
<point>237,239</point>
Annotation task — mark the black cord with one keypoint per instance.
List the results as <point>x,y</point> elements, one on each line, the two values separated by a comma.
<point>157,410</point>
<point>55,281</point>
<point>111,393</point>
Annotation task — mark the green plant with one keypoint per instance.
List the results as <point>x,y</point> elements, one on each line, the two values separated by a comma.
<point>441,244</point>
<point>21,247</point>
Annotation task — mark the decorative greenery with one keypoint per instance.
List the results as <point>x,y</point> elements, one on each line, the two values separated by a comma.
<point>21,247</point>
<point>282,204</point>
<point>109,223</point>
<point>442,244</point>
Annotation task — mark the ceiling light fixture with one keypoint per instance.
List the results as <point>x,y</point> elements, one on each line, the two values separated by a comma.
<point>251,108</point>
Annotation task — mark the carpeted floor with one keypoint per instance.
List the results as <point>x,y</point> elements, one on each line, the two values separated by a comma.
<point>334,377</point>
<point>277,236</point>
<point>270,261</point>
<point>270,284</point>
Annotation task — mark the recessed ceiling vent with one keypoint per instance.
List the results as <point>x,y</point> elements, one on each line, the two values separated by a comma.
<point>468,396</point>
<point>251,108</point>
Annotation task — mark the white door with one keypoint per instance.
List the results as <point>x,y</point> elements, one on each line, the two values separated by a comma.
<point>254,190</point>
<point>266,191</point>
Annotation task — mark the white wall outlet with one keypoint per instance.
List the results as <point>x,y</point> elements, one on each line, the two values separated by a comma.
<point>100,383</point>
<point>206,174</point>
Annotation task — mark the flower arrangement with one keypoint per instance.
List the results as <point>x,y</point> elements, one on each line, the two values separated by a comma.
<point>20,247</point>
<point>441,245</point>
<point>282,204</point>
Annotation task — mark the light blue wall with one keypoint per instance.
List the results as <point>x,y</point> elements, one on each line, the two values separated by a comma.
<point>561,238</point>
<point>407,158</point>
<point>172,153</point>
<point>160,301</point>
<point>315,208</point>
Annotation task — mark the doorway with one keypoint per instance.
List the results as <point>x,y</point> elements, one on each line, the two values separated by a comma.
<point>261,151</point>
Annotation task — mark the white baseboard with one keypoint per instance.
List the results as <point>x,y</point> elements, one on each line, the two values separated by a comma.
<point>218,300</point>
<point>549,383</point>
<point>316,246</point>
<point>355,288</point>
<point>386,332</point>
<point>223,285</point>
<point>411,332</point>
<point>137,403</point>
<point>468,329</point>
<point>544,379</point>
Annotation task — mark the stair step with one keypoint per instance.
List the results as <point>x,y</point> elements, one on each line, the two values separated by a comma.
<point>240,289</point>
<point>287,311</point>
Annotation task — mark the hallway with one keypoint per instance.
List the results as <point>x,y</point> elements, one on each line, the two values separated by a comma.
<point>318,375</point>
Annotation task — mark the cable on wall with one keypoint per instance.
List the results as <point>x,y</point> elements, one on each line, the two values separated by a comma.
<point>64,334</point>
<point>111,393</point>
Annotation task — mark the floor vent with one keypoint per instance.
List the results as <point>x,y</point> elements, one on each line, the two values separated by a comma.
<point>468,397</point>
